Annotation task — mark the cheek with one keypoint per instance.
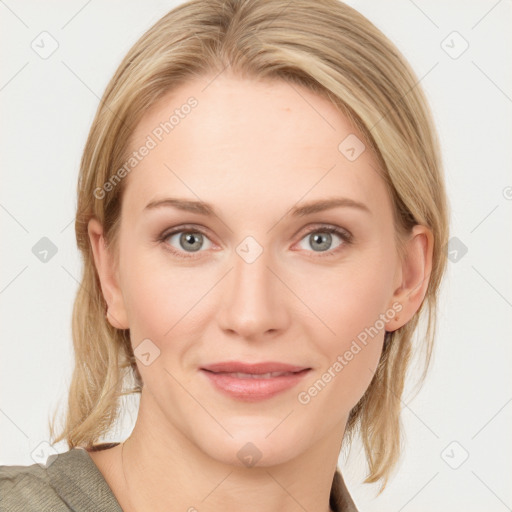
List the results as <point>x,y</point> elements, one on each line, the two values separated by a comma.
<point>351,302</point>
<point>150,289</point>
<point>159,301</point>
<point>354,369</point>
<point>151,281</point>
<point>165,301</point>
<point>350,297</point>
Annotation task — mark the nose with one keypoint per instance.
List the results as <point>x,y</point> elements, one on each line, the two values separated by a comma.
<point>254,299</point>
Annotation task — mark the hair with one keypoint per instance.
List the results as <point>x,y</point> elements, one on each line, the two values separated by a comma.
<point>334,51</point>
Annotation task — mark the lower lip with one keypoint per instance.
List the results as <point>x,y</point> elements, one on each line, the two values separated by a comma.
<point>252,390</point>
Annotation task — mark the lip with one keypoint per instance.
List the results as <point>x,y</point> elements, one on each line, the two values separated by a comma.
<point>252,389</point>
<point>255,368</point>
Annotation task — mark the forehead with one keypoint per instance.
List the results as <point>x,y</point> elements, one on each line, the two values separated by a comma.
<point>248,144</point>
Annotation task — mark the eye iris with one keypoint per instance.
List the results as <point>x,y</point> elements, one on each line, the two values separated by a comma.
<point>324,239</point>
<point>189,239</point>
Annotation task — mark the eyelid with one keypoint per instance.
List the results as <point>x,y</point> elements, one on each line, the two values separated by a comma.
<point>345,235</point>
<point>319,226</point>
<point>185,227</point>
<point>190,228</point>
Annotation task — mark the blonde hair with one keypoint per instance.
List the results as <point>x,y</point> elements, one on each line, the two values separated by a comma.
<point>331,49</point>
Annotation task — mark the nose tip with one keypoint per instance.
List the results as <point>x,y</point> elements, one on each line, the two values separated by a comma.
<point>252,304</point>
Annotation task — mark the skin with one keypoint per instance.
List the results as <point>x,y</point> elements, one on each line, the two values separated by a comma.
<point>253,150</point>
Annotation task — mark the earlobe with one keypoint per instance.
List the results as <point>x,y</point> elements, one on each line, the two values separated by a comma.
<point>107,274</point>
<point>415,271</point>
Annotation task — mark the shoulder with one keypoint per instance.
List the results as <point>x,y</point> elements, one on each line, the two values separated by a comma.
<point>68,481</point>
<point>27,488</point>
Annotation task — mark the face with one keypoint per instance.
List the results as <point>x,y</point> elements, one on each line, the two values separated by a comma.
<point>254,281</point>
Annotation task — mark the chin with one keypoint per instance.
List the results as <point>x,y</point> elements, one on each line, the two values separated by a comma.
<point>253,447</point>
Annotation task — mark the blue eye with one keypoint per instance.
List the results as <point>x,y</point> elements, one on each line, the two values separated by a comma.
<point>190,240</point>
<point>321,237</point>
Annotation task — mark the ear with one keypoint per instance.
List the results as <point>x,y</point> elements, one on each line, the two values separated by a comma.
<point>104,262</point>
<point>413,275</point>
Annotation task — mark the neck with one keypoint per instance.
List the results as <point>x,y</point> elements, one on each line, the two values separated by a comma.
<point>165,469</point>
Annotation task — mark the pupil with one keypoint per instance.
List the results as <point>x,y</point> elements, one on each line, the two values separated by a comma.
<point>189,238</point>
<point>324,240</point>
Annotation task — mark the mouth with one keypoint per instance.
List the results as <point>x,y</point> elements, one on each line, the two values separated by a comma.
<point>269,375</point>
<point>254,384</point>
<point>253,368</point>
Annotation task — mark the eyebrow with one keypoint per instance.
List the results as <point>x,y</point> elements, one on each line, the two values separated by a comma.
<point>203,208</point>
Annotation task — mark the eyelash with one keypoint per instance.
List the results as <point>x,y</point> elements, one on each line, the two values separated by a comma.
<point>342,233</point>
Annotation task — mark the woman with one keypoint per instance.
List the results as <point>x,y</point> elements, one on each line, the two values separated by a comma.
<point>234,138</point>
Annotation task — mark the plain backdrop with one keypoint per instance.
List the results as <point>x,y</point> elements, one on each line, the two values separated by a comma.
<point>457,443</point>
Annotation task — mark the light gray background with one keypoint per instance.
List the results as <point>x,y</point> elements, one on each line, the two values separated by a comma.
<point>47,106</point>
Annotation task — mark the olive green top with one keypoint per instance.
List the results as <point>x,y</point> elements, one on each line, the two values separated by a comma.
<point>71,481</point>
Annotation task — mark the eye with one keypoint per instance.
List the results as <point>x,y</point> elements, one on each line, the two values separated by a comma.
<point>184,241</point>
<point>181,241</point>
<point>320,239</point>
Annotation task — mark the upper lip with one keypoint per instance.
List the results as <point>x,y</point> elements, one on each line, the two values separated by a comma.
<point>255,368</point>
